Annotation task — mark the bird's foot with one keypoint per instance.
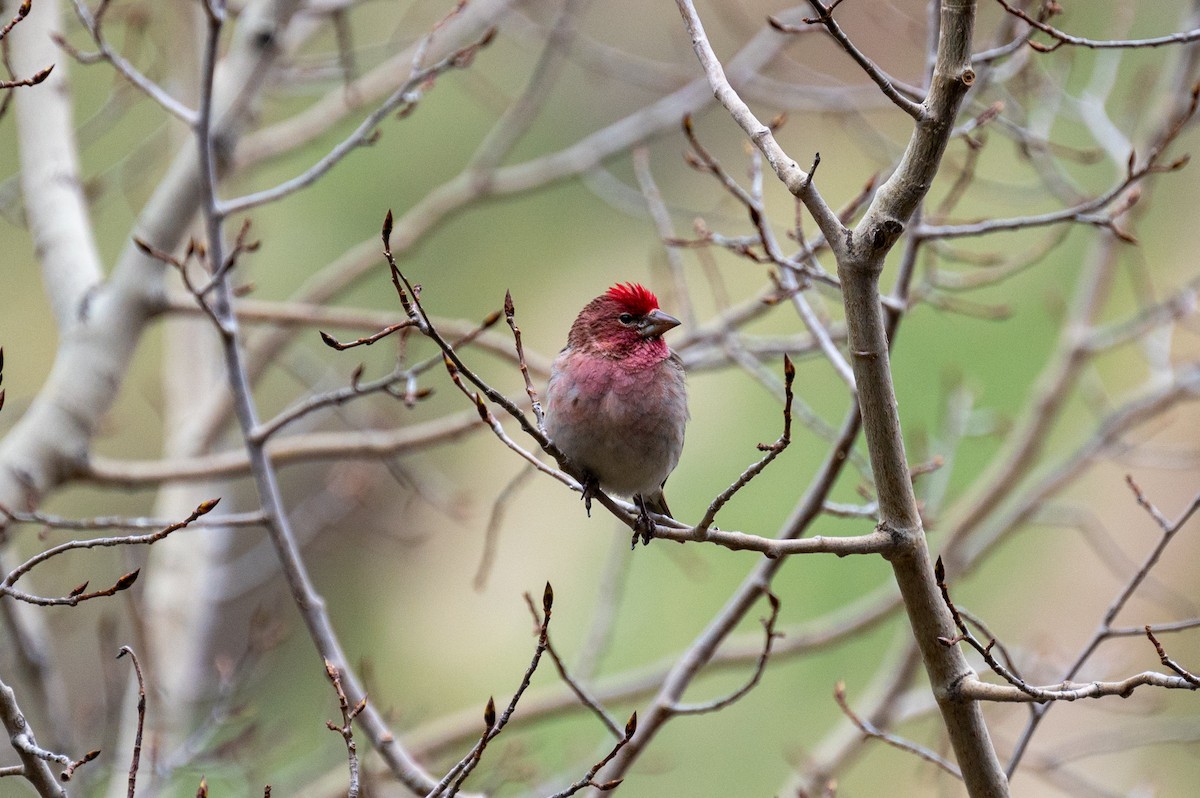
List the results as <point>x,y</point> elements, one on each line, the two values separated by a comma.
<point>645,524</point>
<point>590,485</point>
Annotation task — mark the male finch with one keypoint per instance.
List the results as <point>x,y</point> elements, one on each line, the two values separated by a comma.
<point>616,404</point>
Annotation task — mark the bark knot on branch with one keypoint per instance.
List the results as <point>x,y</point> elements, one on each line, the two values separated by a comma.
<point>885,234</point>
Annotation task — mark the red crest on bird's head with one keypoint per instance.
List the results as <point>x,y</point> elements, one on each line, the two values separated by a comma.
<point>635,297</point>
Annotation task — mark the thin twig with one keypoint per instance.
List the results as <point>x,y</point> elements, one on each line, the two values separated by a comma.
<point>759,667</point>
<point>1061,37</point>
<point>366,340</point>
<point>404,98</point>
<point>576,688</point>
<point>1021,691</point>
<point>965,636</point>
<point>32,80</point>
<point>489,418</point>
<point>886,84</point>
<point>494,725</point>
<point>92,23</point>
<point>798,181</point>
<point>788,267</point>
<point>495,519</point>
<point>1170,663</point>
<point>509,316</point>
<point>346,730</point>
<point>870,730</point>
<point>141,719</point>
<point>772,450</point>
<point>78,594</point>
<point>387,384</point>
<point>588,778</point>
<point>304,593</point>
<point>123,522</point>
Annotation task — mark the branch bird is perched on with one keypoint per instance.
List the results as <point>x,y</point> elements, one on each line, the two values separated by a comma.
<point>616,404</point>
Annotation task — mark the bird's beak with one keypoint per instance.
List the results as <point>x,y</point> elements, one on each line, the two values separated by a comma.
<point>655,323</point>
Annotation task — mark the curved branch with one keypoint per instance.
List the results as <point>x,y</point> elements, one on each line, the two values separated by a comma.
<point>51,180</point>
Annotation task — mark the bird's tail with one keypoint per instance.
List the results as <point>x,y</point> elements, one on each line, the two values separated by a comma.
<point>657,503</point>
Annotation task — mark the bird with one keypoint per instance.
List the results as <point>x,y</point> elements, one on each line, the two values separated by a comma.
<point>616,402</point>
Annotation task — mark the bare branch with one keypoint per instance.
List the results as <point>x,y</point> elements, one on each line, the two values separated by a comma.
<point>34,762</point>
<point>576,688</point>
<point>509,316</point>
<point>772,450</point>
<point>1061,37</point>
<point>796,179</point>
<point>494,725</point>
<point>588,778</point>
<point>404,98</point>
<point>870,730</point>
<point>769,638</point>
<point>976,690</point>
<point>92,23</point>
<point>141,719</point>
<point>904,101</point>
<point>1190,677</point>
<point>79,595</point>
<point>349,713</point>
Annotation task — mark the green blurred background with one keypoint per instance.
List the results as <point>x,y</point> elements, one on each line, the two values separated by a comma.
<point>398,565</point>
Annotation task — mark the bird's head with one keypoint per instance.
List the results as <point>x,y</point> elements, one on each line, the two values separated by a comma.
<point>621,322</point>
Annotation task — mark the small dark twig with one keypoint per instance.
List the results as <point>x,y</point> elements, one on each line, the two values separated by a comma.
<point>22,12</point>
<point>812,171</point>
<point>489,418</point>
<point>772,450</point>
<point>69,771</point>
<point>966,636</point>
<point>587,700</point>
<point>509,316</point>
<point>181,266</point>
<point>141,719</point>
<point>240,246</point>
<point>494,725</point>
<point>366,340</point>
<point>389,384</point>
<point>32,80</point>
<point>1170,663</point>
<point>78,595</point>
<point>587,780</point>
<point>346,729</point>
<point>410,301</point>
<point>1009,662</point>
<point>37,77</point>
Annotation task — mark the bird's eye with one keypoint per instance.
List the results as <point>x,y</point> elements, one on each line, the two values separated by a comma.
<point>625,318</point>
